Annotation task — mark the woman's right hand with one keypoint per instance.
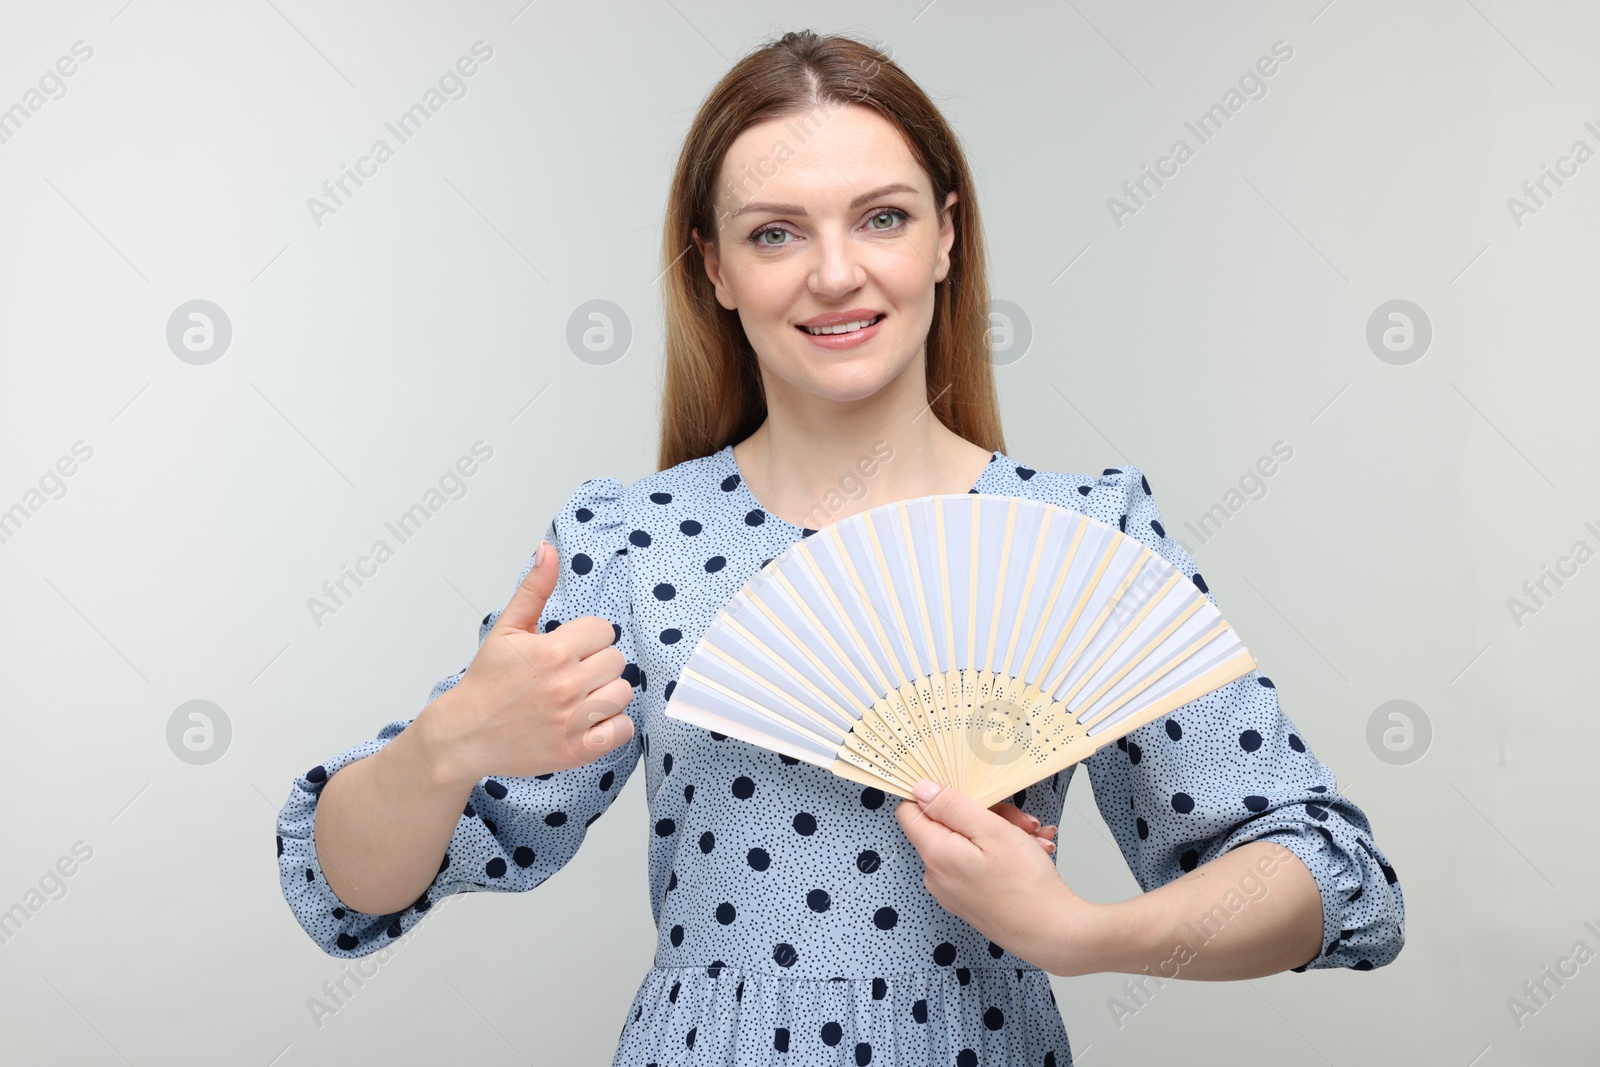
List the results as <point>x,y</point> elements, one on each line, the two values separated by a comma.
<point>532,703</point>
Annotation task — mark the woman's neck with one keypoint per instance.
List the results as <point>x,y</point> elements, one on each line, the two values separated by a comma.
<point>806,477</point>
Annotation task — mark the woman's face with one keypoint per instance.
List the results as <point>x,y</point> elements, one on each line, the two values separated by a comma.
<point>827,214</point>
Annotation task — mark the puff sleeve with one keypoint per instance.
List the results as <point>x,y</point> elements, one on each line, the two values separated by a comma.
<point>1231,767</point>
<point>514,832</point>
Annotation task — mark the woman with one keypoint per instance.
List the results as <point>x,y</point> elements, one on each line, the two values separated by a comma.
<point>825,353</point>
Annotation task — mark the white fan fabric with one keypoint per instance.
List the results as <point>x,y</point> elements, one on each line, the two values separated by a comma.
<point>984,641</point>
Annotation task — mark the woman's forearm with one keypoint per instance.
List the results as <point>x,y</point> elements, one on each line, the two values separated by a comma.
<point>383,823</point>
<point>1253,911</point>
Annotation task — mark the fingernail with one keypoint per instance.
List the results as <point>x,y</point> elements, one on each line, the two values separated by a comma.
<point>1034,821</point>
<point>926,790</point>
<point>1049,846</point>
<point>538,554</point>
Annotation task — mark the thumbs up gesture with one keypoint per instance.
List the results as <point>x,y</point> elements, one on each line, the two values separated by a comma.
<point>532,703</point>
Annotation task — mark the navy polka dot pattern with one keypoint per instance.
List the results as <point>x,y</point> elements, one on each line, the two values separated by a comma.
<point>791,909</point>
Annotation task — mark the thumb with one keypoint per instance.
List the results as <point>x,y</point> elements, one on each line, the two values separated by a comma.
<point>960,813</point>
<point>527,603</point>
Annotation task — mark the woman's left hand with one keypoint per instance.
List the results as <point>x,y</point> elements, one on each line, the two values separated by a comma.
<point>985,866</point>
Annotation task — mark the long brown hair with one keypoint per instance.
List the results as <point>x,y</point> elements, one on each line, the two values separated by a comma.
<point>712,394</point>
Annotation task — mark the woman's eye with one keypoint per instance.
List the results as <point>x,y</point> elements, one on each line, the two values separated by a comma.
<point>898,219</point>
<point>885,213</point>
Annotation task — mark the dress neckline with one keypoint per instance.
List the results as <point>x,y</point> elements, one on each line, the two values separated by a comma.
<point>742,487</point>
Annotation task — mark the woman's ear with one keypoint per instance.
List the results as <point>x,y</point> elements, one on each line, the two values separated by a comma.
<point>947,237</point>
<point>713,262</point>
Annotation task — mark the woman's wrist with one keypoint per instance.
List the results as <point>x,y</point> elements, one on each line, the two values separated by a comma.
<point>441,752</point>
<point>1094,938</point>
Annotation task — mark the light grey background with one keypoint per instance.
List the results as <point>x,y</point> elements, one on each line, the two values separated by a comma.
<point>431,311</point>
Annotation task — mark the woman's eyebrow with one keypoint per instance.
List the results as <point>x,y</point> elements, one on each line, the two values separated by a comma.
<point>796,209</point>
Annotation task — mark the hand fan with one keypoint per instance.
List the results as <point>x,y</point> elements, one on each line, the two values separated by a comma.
<point>980,640</point>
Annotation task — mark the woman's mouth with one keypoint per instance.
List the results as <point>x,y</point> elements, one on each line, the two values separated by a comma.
<point>844,335</point>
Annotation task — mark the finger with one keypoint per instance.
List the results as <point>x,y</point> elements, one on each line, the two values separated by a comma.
<point>1046,844</point>
<point>1016,817</point>
<point>587,635</point>
<point>612,733</point>
<point>606,702</point>
<point>595,726</point>
<point>527,602</point>
<point>601,666</point>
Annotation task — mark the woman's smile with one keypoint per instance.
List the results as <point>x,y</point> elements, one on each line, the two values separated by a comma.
<point>848,334</point>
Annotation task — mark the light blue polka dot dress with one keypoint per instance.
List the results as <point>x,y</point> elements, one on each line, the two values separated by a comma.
<point>793,923</point>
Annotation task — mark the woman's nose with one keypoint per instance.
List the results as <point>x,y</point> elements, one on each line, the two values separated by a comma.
<point>838,268</point>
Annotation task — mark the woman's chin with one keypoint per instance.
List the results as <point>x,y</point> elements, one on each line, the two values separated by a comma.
<point>843,377</point>
<point>852,388</point>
